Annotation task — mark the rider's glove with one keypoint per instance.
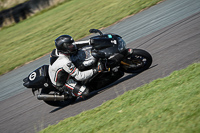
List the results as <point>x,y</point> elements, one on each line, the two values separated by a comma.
<point>100,67</point>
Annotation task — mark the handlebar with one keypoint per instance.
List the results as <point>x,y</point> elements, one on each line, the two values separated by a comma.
<point>95,31</point>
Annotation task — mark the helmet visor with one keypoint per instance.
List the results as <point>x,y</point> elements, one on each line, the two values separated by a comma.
<point>71,49</point>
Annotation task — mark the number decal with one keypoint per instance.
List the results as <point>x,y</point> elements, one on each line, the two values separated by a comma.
<point>32,76</point>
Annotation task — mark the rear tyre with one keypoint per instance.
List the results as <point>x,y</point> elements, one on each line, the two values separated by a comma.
<point>57,103</point>
<point>137,62</point>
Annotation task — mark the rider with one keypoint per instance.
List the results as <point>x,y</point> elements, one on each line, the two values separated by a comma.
<point>63,73</point>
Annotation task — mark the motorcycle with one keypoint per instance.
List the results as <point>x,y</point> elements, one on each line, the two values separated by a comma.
<point>101,47</point>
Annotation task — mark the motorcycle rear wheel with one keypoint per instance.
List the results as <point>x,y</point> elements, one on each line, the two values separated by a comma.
<point>57,103</point>
<point>137,62</point>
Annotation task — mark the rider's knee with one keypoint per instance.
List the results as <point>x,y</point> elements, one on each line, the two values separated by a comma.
<point>80,90</point>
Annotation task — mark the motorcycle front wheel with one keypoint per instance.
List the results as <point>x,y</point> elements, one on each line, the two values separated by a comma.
<point>57,103</point>
<point>136,62</point>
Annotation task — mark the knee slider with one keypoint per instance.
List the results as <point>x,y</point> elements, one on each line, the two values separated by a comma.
<point>80,90</point>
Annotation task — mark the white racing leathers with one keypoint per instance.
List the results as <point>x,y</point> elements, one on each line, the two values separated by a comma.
<point>62,72</point>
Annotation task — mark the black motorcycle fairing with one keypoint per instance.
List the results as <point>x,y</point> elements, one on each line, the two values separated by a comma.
<point>109,35</point>
<point>105,45</point>
<point>101,43</point>
<point>38,78</point>
<point>104,41</point>
<point>104,79</point>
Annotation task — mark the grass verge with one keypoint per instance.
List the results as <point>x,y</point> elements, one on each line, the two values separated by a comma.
<point>35,36</point>
<point>171,104</point>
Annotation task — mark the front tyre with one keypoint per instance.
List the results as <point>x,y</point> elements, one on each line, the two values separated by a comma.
<point>57,103</point>
<point>136,62</point>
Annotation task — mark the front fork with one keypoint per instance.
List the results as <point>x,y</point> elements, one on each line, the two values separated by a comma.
<point>126,53</point>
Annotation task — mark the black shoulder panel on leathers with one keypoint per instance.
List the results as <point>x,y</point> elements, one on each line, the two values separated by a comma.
<point>53,57</point>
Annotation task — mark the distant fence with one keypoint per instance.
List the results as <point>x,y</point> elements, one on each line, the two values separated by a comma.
<point>22,11</point>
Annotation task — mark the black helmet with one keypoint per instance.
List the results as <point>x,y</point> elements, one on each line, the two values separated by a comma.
<point>65,44</point>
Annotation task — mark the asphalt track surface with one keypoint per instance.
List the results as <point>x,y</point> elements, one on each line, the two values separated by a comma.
<point>170,31</point>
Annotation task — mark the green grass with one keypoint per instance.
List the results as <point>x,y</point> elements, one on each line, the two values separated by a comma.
<point>35,36</point>
<point>171,104</point>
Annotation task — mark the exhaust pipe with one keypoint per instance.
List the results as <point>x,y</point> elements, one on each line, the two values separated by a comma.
<point>51,97</point>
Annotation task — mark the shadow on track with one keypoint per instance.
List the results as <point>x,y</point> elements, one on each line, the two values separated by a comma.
<point>93,93</point>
